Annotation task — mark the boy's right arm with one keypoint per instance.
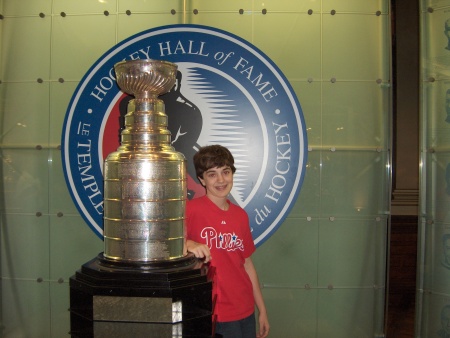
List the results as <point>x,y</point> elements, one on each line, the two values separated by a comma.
<point>199,250</point>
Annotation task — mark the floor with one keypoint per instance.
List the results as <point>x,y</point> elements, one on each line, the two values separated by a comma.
<point>402,277</point>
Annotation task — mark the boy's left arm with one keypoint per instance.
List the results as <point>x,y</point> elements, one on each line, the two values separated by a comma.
<point>257,294</point>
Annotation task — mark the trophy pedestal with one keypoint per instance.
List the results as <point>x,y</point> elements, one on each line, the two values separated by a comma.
<point>151,300</point>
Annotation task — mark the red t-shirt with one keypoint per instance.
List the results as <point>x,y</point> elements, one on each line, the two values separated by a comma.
<point>227,234</point>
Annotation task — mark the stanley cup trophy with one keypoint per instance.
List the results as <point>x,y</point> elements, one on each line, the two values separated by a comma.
<point>145,179</point>
<point>143,284</point>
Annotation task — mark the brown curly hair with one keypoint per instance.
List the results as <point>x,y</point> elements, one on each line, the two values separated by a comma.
<point>212,156</point>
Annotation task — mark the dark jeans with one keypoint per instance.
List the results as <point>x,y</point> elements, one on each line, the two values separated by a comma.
<point>244,328</point>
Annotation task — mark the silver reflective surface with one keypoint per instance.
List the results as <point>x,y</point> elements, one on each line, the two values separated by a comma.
<point>145,179</point>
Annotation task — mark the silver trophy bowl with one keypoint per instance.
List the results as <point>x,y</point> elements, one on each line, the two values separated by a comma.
<point>145,78</point>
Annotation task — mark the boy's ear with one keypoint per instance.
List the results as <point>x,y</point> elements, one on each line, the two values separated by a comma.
<point>202,182</point>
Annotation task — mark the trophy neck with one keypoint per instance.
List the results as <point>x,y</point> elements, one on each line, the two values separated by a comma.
<point>146,125</point>
<point>146,95</point>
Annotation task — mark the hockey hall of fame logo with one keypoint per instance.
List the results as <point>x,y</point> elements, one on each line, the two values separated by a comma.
<point>227,92</point>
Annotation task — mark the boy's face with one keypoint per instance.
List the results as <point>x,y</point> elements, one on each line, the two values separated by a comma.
<point>218,181</point>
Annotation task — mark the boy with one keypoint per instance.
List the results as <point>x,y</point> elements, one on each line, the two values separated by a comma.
<point>218,231</point>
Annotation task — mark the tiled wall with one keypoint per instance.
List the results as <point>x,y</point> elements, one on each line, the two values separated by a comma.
<point>433,287</point>
<point>323,271</point>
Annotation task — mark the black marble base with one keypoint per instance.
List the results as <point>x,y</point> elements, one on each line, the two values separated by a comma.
<point>155,299</point>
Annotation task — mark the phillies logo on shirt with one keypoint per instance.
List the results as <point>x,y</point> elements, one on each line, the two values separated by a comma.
<point>227,92</point>
<point>221,240</point>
